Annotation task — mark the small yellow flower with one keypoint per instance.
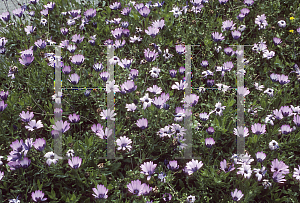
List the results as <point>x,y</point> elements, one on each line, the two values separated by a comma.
<point>292,31</point>
<point>292,18</point>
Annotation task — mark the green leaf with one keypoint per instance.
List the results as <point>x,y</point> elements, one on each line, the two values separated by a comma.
<point>104,181</point>
<point>40,186</point>
<point>181,184</point>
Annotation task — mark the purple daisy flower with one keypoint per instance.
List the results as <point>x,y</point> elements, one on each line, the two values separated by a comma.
<point>77,59</point>
<point>224,167</point>
<point>26,57</point>
<point>148,168</point>
<point>38,196</point>
<point>75,162</point>
<point>5,16</point>
<point>18,12</point>
<point>39,144</point>
<point>173,165</point>
<point>217,37</point>
<point>124,143</point>
<point>180,49</point>
<point>4,95</point>
<point>100,192</point>
<point>142,123</point>
<point>34,125</point>
<point>74,118</point>
<point>144,11</point>
<point>193,166</point>
<point>61,126</point>
<point>40,43</point>
<point>77,39</point>
<point>237,195</point>
<point>228,25</point>
<point>74,78</point>
<point>90,13</point>
<point>209,142</point>
<point>136,187</point>
<point>29,29</point>
<point>128,87</point>
<point>236,34</point>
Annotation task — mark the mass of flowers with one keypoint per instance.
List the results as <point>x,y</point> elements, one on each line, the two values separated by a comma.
<point>155,102</point>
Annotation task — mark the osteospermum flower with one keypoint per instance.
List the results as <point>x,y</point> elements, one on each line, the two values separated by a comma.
<point>296,173</point>
<point>173,165</point>
<point>100,192</point>
<point>259,173</point>
<point>34,125</point>
<point>273,145</point>
<point>217,37</point>
<point>146,101</point>
<point>245,170</point>
<point>51,158</point>
<point>225,168</point>
<point>278,177</point>
<point>148,168</point>
<point>237,195</point>
<point>142,123</point>
<point>73,118</point>
<point>281,23</point>
<point>180,86</point>
<point>193,166</point>
<point>108,114</point>
<point>26,117</point>
<point>241,131</point>
<point>39,144</point>
<point>74,78</point>
<point>70,153</point>
<point>260,156</point>
<point>61,126</point>
<point>104,134</point>
<point>176,11</point>
<point>136,187</point>
<point>77,59</point>
<point>258,128</point>
<point>279,166</point>
<point>26,57</point>
<point>209,142</point>
<point>124,143</point>
<point>75,162</point>
<point>38,196</point>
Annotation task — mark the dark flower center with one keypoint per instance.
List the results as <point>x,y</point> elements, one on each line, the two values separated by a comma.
<point>136,192</point>
<point>123,145</point>
<point>101,195</point>
<point>147,100</point>
<point>52,157</point>
<point>226,169</point>
<point>245,171</point>
<point>218,110</point>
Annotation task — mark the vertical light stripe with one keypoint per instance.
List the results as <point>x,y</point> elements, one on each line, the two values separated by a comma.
<point>188,151</point>
<point>110,106</point>
<point>240,99</point>
<point>58,117</point>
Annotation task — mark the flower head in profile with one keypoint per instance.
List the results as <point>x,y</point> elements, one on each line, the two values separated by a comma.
<point>75,162</point>
<point>61,126</point>
<point>38,196</point>
<point>148,168</point>
<point>193,166</point>
<point>100,192</point>
<point>237,195</point>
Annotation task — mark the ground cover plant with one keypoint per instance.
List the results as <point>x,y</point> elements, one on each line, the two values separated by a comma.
<point>149,40</point>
